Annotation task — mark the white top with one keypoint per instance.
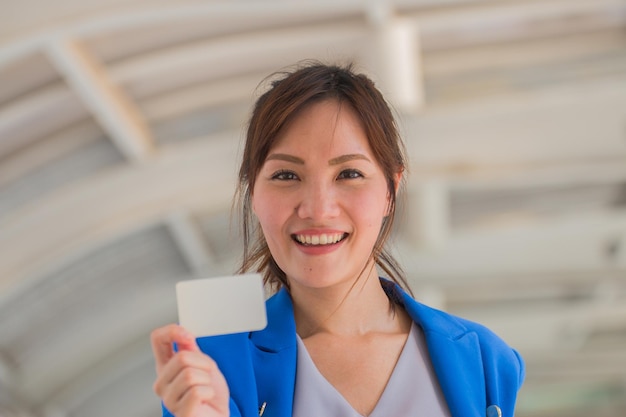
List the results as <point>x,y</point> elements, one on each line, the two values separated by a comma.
<point>412,389</point>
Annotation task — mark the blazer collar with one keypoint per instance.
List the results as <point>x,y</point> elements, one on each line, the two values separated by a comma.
<point>430,319</point>
<point>454,349</point>
<point>280,332</point>
<point>281,327</point>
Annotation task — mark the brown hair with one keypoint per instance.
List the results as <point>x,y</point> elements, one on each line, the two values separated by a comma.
<point>313,82</point>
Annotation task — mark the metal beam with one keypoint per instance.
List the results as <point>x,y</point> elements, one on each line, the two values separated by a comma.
<point>221,14</point>
<point>190,244</point>
<point>511,21</point>
<point>11,402</point>
<point>215,93</point>
<point>556,125</point>
<point>428,202</point>
<point>394,56</point>
<point>52,107</point>
<point>69,221</point>
<point>111,107</point>
<point>238,54</point>
<point>575,244</point>
<point>114,369</point>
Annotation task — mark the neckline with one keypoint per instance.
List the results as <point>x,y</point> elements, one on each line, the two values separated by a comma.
<point>411,339</point>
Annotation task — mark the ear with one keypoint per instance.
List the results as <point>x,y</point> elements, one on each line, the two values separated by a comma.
<point>397,180</point>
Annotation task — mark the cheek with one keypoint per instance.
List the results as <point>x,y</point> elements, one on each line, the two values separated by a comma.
<point>370,207</point>
<point>268,214</point>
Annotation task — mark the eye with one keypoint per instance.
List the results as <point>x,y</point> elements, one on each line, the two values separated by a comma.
<point>284,175</point>
<point>348,174</point>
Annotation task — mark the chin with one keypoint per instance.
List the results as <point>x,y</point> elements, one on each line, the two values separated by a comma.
<point>316,280</point>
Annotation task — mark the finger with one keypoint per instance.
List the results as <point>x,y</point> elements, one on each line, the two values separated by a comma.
<point>198,401</point>
<point>163,339</point>
<point>180,371</point>
<point>185,340</point>
<point>184,381</point>
<point>192,370</point>
<point>180,363</point>
<point>195,402</point>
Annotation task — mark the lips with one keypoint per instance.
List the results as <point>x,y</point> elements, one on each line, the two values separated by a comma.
<point>319,239</point>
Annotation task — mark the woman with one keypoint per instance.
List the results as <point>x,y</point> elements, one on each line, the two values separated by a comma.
<point>321,168</point>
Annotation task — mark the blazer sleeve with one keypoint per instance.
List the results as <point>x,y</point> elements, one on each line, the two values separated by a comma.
<point>504,371</point>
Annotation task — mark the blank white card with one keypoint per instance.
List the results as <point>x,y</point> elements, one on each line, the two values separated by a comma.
<point>221,305</point>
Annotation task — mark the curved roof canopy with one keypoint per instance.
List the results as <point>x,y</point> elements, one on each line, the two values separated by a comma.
<point>120,132</point>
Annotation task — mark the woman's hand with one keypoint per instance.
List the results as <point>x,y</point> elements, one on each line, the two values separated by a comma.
<point>188,381</point>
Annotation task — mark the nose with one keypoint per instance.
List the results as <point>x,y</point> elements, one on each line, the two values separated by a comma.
<point>318,202</point>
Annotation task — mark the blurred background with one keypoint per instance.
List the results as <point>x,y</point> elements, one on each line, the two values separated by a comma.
<point>121,124</point>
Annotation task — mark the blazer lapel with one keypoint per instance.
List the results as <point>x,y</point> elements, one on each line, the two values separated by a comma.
<point>232,352</point>
<point>455,355</point>
<point>458,366</point>
<point>275,357</point>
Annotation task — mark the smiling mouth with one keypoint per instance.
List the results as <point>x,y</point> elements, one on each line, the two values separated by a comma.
<point>319,240</point>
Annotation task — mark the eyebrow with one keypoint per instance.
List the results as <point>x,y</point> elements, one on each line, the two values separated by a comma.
<point>335,161</point>
<point>345,158</point>
<point>285,157</point>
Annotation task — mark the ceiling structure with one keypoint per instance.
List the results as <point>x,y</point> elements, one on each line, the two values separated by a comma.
<point>120,131</point>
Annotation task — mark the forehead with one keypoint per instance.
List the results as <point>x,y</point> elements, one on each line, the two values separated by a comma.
<point>327,124</point>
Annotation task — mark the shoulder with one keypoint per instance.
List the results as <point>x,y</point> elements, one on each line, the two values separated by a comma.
<point>497,356</point>
<point>470,352</point>
<point>453,326</point>
<point>496,353</point>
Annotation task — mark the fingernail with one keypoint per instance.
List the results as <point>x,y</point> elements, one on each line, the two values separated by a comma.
<point>185,334</point>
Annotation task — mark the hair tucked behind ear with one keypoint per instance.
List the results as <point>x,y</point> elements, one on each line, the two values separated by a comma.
<point>289,93</point>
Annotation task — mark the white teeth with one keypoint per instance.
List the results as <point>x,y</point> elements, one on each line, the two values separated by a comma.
<point>323,239</point>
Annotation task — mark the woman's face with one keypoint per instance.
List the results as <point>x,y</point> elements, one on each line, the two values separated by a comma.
<point>321,197</point>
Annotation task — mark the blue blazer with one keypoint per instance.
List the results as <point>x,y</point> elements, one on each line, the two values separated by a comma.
<point>477,371</point>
